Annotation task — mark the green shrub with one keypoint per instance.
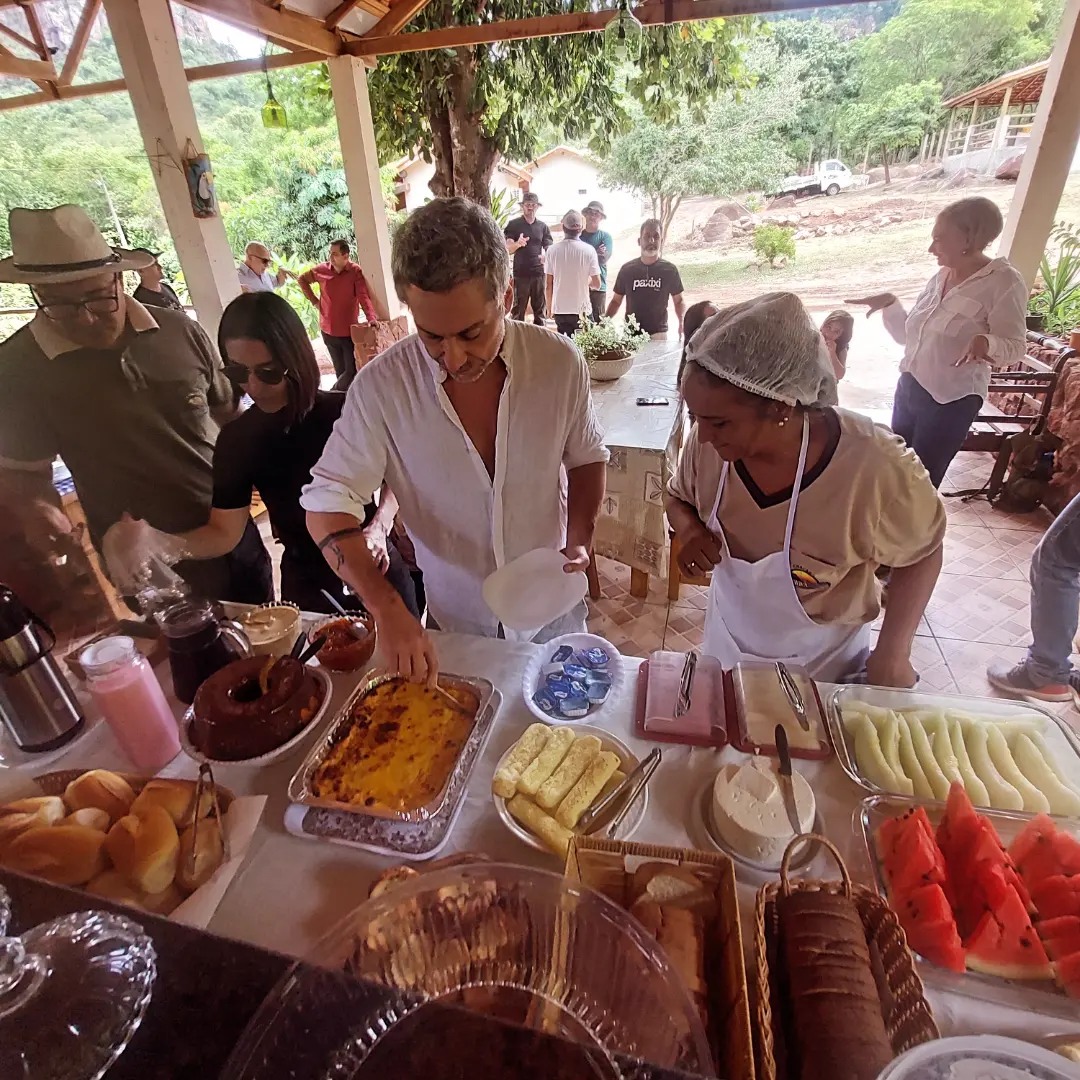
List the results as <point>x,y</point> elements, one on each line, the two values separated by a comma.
<point>772,242</point>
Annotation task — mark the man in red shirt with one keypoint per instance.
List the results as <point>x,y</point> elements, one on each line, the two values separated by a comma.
<point>342,292</point>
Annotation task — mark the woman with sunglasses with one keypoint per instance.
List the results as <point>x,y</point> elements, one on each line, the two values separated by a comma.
<point>272,447</point>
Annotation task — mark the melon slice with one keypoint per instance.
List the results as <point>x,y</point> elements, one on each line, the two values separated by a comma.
<point>889,737</point>
<point>914,860</point>
<point>1033,851</point>
<point>959,821</point>
<point>1003,796</point>
<point>1067,849</point>
<point>1068,974</point>
<point>910,761</point>
<point>975,787</point>
<point>1005,943</point>
<point>868,755</point>
<point>920,742</point>
<point>1034,800</point>
<point>1035,763</point>
<point>1055,896</point>
<point>942,747</point>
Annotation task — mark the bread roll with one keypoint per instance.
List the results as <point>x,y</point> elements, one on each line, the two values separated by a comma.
<point>582,795</point>
<point>112,885</point>
<point>521,756</point>
<point>16,817</point>
<point>556,787</point>
<point>89,817</point>
<point>546,762</point>
<point>175,796</point>
<point>541,824</point>
<point>62,854</point>
<point>144,848</point>
<point>672,886</point>
<point>208,854</point>
<point>101,789</point>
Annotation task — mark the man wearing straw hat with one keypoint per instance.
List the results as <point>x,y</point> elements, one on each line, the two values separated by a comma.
<point>130,400</point>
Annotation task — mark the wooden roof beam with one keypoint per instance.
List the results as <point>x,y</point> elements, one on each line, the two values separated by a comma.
<point>373,7</point>
<point>15,36</point>
<point>651,13</point>
<point>19,67</point>
<point>281,26</point>
<point>78,42</point>
<point>397,18</point>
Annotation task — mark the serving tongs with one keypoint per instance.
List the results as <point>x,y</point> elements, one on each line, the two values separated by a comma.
<point>686,684</point>
<point>791,692</point>
<point>629,790</point>
<point>205,783</point>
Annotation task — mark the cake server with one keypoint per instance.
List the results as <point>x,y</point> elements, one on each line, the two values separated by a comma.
<point>787,786</point>
<point>791,692</point>
<point>598,809</point>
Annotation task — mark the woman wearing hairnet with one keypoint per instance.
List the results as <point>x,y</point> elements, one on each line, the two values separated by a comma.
<point>793,504</point>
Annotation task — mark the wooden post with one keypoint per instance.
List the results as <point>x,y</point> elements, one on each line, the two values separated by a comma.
<point>1002,128</point>
<point>1049,152</point>
<point>154,72</point>
<point>970,127</point>
<point>922,149</point>
<point>356,133</point>
<point>948,135</point>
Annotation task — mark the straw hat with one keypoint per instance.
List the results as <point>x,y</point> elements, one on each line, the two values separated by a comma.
<point>62,244</point>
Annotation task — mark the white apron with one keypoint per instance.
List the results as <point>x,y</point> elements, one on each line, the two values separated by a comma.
<point>754,611</point>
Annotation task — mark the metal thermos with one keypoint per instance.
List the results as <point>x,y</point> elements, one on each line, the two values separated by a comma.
<point>37,705</point>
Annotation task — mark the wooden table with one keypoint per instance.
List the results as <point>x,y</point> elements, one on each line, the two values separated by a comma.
<point>632,528</point>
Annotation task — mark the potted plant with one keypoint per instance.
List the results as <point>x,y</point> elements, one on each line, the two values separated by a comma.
<point>609,347</point>
<point>1054,306</point>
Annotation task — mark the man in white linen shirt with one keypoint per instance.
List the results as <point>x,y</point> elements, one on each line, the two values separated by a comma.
<point>473,422</point>
<point>572,269</point>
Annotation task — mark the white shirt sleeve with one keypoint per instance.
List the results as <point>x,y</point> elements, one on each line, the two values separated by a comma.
<point>584,439</point>
<point>353,462</point>
<point>894,318</point>
<point>594,262</point>
<point>1008,330</point>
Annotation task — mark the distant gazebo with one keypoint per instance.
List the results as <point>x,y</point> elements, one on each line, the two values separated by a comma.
<point>992,123</point>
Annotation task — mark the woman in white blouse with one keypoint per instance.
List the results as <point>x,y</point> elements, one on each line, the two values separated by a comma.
<point>968,319</point>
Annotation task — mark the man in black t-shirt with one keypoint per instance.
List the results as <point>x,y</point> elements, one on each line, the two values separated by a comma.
<point>527,239</point>
<point>647,283</point>
<point>153,290</point>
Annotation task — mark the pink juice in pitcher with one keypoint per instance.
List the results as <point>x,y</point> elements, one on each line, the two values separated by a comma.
<point>125,689</point>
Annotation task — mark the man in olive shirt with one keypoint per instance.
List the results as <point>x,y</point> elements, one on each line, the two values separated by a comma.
<point>130,400</point>
<point>527,238</point>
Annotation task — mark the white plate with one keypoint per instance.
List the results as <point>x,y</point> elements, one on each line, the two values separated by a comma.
<point>530,680</point>
<point>282,751</point>
<point>629,823</point>
<point>533,590</point>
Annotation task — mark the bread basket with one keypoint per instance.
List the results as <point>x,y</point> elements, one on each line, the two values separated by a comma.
<point>908,1019</point>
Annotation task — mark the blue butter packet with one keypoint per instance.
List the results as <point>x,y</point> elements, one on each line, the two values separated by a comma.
<point>560,687</point>
<point>576,671</point>
<point>549,671</point>
<point>544,700</point>
<point>579,686</point>
<point>594,658</point>
<point>562,654</point>
<point>597,692</point>
<point>574,706</point>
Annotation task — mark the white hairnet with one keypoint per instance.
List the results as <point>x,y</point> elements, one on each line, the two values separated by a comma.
<point>768,346</point>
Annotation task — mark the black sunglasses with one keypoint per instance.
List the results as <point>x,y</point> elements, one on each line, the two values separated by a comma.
<point>269,374</point>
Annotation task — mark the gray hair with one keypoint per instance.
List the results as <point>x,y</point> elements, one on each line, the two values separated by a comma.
<point>977,217</point>
<point>447,242</point>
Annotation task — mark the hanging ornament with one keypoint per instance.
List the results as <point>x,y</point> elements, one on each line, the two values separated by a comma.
<point>622,36</point>
<point>273,112</point>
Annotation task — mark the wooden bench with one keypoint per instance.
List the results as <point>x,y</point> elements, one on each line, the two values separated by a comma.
<point>1030,384</point>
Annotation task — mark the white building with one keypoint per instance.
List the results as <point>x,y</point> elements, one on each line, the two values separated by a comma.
<point>414,177</point>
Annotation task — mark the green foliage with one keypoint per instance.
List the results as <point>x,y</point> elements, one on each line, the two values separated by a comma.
<point>609,336</point>
<point>895,120</point>
<point>735,148</point>
<point>466,107</point>
<point>503,205</point>
<point>1058,301</point>
<point>772,242</point>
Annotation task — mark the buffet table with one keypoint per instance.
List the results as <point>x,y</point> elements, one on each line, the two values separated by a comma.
<point>291,890</point>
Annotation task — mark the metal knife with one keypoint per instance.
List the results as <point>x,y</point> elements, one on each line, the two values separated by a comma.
<point>791,692</point>
<point>787,786</point>
<point>597,810</point>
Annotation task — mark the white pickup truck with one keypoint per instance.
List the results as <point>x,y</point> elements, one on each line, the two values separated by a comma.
<point>829,178</point>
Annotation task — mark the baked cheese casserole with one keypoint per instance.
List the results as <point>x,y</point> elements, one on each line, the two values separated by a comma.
<point>399,749</point>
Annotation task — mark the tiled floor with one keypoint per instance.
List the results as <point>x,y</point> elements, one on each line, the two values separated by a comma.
<point>978,613</point>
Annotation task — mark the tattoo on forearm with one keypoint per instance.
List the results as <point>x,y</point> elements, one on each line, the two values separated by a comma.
<point>339,556</point>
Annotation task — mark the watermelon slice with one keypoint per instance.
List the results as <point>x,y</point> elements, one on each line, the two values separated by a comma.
<point>1056,895</point>
<point>1034,852</point>
<point>912,858</point>
<point>930,927</point>
<point>1057,948</point>
<point>1067,850</point>
<point>960,817</point>
<point>1068,974</point>
<point>1004,943</point>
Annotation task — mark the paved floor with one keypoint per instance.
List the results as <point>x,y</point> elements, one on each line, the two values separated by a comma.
<point>978,613</point>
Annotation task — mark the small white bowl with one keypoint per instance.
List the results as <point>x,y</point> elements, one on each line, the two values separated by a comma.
<point>530,681</point>
<point>282,751</point>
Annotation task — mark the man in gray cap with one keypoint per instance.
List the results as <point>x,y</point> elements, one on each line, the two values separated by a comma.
<point>605,248</point>
<point>527,238</point>
<point>573,269</point>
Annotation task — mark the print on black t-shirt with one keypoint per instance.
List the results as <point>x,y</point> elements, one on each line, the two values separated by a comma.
<point>647,289</point>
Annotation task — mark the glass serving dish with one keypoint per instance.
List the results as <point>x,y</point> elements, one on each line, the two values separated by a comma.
<point>1042,996</point>
<point>302,786</point>
<point>73,992</point>
<point>1060,741</point>
<point>517,945</point>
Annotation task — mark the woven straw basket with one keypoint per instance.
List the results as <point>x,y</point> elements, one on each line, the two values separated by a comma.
<point>908,1019</point>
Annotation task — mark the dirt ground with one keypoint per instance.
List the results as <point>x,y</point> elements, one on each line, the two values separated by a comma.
<point>876,256</point>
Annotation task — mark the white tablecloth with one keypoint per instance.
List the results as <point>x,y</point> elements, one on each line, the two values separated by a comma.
<point>292,890</point>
